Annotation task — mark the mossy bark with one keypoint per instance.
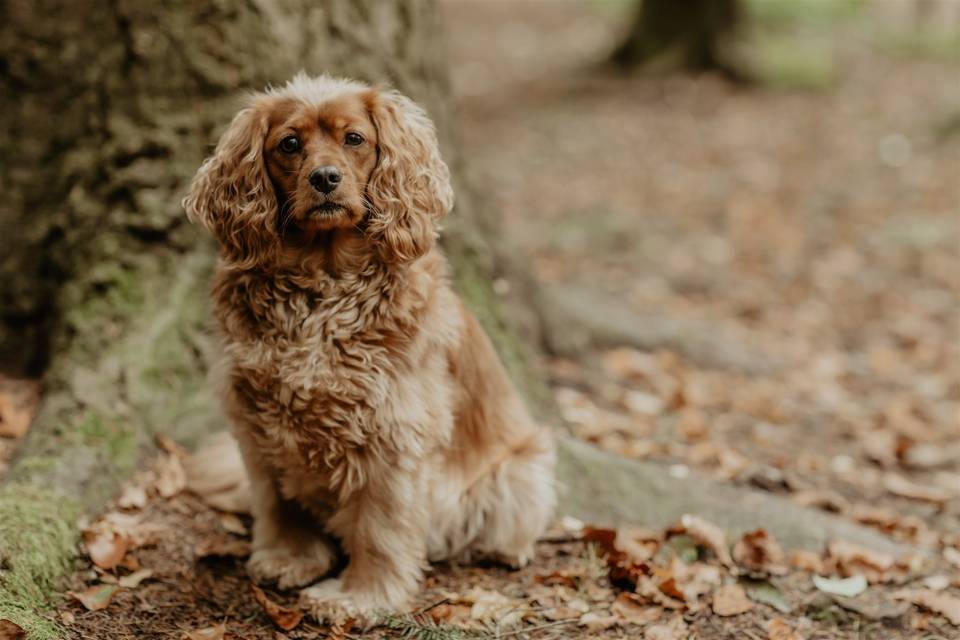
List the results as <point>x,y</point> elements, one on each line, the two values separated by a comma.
<point>103,283</point>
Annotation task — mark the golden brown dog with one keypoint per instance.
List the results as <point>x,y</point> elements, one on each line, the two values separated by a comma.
<point>371,409</point>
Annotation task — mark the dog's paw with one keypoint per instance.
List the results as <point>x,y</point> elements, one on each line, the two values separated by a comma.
<point>288,568</point>
<point>328,602</point>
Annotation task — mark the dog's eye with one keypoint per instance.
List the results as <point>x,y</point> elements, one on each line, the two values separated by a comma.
<point>353,139</point>
<point>290,144</point>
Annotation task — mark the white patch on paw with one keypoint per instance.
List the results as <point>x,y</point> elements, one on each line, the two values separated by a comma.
<point>289,569</point>
<point>327,601</point>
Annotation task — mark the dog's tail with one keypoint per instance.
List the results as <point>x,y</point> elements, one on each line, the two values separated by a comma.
<point>215,472</point>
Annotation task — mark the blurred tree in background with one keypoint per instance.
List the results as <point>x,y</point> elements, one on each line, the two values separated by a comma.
<point>695,35</point>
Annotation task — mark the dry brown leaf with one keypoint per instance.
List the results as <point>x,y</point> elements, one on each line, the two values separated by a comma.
<point>97,597</point>
<point>709,535</point>
<point>132,497</point>
<point>900,486</point>
<point>676,629</point>
<point>216,632</point>
<point>944,604</point>
<point>171,477</point>
<point>233,524</point>
<point>562,578</point>
<point>283,617</point>
<point>759,551</point>
<point>170,446</point>
<point>129,525</point>
<point>621,568</point>
<point>18,402</point>
<point>106,548</point>
<point>631,611</point>
<point>952,555</point>
<point>731,600</point>
<point>487,606</point>
<point>807,561</point>
<point>133,580</point>
<point>822,499</point>
<point>849,559</point>
<point>594,621</point>
<point>449,613</point>
<point>777,629</point>
<point>221,546</point>
<point>11,631</point>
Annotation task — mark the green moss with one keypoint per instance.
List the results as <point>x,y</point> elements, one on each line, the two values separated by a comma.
<point>37,542</point>
<point>116,440</point>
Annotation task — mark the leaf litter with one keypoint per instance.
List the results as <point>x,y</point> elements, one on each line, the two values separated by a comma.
<point>863,401</point>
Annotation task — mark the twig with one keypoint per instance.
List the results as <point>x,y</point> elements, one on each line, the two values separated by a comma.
<point>546,625</point>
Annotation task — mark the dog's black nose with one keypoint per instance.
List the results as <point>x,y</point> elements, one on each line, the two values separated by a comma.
<point>325,179</point>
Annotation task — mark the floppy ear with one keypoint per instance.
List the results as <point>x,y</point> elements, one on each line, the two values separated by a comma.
<point>231,194</point>
<point>409,190</point>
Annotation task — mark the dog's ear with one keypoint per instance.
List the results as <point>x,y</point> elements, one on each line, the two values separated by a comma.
<point>409,190</point>
<point>231,194</point>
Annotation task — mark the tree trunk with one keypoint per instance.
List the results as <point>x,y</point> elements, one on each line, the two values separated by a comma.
<point>103,283</point>
<point>694,35</point>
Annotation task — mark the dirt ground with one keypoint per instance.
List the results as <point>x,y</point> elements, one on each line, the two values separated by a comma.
<point>813,232</point>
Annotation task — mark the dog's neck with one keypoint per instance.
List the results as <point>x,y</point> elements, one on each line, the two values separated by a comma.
<point>332,253</point>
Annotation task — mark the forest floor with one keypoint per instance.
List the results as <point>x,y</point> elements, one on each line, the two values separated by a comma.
<point>812,231</point>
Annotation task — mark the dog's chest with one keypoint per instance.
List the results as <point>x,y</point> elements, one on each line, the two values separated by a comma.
<point>312,368</point>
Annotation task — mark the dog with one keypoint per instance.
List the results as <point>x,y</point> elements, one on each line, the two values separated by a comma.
<point>374,418</point>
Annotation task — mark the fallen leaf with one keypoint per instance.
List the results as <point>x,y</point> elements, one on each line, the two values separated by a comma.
<point>900,486</point>
<point>216,632</point>
<point>563,578</point>
<point>283,617</point>
<point>11,631</point>
<point>709,535</point>
<point>97,597</point>
<point>18,402</point>
<point>847,587</point>
<point>777,629</point>
<point>620,568</point>
<point>630,611</point>
<point>487,606</point>
<point>221,546</point>
<point>676,629</point>
<point>171,477</point>
<point>952,555</point>
<point>132,497</point>
<point>106,548</point>
<point>760,552</point>
<point>946,605</point>
<point>233,524</point>
<point>171,446</point>
<point>821,499</point>
<point>450,613</point>
<point>872,606</point>
<point>807,561</point>
<point>133,580</point>
<point>766,593</point>
<point>66,617</point>
<point>731,600</point>
<point>594,621</point>
<point>849,559</point>
<point>936,582</point>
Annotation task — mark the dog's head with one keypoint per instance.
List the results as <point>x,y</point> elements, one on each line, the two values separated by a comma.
<point>317,156</point>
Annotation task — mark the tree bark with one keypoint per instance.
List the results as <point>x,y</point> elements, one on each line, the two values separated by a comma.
<point>103,283</point>
<point>694,35</point>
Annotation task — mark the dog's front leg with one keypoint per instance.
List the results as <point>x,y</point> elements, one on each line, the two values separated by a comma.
<point>289,545</point>
<point>383,530</point>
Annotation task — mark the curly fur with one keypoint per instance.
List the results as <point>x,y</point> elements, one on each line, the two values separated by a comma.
<point>374,418</point>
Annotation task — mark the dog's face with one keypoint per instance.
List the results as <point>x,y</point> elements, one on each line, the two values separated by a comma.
<point>321,156</point>
<point>320,159</point>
